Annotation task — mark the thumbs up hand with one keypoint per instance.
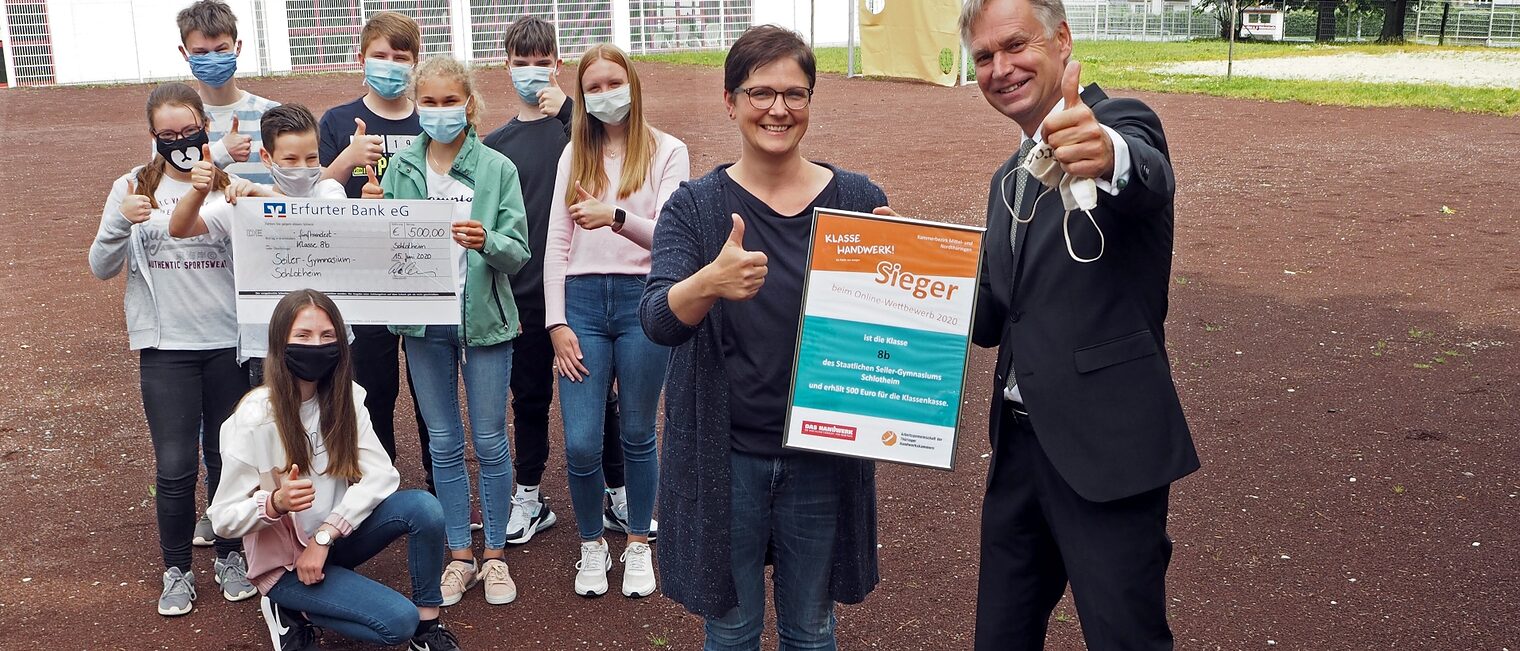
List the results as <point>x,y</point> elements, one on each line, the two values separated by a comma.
<point>203,173</point>
<point>238,145</point>
<point>736,274</point>
<point>294,494</point>
<point>550,98</point>
<point>137,208</point>
<point>1081,145</point>
<point>372,189</point>
<point>590,213</point>
<point>363,149</point>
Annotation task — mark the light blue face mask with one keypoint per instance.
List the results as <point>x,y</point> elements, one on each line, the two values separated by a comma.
<point>388,78</point>
<point>214,69</point>
<point>528,80</point>
<point>612,106</point>
<point>442,123</point>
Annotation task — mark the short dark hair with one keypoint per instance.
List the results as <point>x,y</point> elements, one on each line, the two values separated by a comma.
<point>761,45</point>
<point>212,18</point>
<point>528,36</point>
<point>283,119</point>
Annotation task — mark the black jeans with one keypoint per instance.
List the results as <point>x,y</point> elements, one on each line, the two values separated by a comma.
<point>532,393</point>
<point>180,390</point>
<point>378,369</point>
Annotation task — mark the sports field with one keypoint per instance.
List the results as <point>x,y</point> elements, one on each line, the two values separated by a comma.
<point>1343,330</point>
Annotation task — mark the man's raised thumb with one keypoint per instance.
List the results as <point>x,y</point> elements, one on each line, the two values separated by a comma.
<point>736,236</point>
<point>234,124</point>
<point>359,130</point>
<point>1071,83</point>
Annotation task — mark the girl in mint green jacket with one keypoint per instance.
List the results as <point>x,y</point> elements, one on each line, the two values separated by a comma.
<point>448,163</point>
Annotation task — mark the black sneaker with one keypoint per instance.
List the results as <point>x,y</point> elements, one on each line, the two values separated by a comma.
<point>436,638</point>
<point>288,630</point>
<point>615,519</point>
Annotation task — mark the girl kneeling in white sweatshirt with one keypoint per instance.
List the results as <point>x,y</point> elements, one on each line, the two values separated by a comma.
<point>307,485</point>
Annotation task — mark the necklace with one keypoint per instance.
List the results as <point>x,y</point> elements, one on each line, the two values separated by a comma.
<point>435,162</point>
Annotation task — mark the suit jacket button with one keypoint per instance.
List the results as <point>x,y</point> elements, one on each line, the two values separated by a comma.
<point>1015,316</point>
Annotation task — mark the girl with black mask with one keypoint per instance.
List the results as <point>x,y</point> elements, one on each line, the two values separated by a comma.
<point>313,494</point>
<point>181,319</point>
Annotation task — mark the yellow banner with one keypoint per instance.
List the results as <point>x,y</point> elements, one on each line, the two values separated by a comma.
<point>913,39</point>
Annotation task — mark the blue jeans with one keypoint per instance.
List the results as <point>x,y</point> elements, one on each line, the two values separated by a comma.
<point>603,311</point>
<point>437,360</point>
<point>787,507</point>
<point>357,606</point>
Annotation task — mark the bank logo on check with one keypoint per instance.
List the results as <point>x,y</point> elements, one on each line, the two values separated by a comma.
<point>273,209</point>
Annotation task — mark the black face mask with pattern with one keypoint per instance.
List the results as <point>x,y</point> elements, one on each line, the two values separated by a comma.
<point>184,153</point>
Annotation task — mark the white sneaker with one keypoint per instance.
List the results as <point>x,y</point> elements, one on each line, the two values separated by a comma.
<point>591,574</point>
<point>638,570</point>
<point>528,517</point>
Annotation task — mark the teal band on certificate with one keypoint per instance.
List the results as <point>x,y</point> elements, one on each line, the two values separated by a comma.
<point>880,371</point>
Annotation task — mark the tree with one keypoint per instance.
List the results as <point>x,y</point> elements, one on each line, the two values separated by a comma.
<point>1393,21</point>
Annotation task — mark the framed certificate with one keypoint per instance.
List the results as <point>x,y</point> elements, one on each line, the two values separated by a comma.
<point>882,347</point>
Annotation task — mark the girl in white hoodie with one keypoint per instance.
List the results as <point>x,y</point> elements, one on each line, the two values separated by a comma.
<point>307,485</point>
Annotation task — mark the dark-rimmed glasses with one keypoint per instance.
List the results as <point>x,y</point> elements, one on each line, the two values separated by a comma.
<point>171,136</point>
<point>763,98</point>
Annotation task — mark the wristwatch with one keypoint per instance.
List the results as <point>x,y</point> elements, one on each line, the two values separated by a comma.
<point>323,538</point>
<point>618,217</point>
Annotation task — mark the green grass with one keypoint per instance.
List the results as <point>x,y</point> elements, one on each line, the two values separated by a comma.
<point>1128,64</point>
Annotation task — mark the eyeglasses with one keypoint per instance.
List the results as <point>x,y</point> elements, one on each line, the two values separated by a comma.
<point>171,136</point>
<point>764,98</point>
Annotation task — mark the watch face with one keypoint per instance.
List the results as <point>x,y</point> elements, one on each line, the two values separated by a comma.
<point>324,538</point>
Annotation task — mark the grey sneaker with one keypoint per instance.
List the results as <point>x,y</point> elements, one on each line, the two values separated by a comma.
<point>204,535</point>
<point>179,593</point>
<point>232,575</point>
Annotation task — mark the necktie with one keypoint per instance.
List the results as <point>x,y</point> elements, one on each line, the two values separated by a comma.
<point>1021,180</point>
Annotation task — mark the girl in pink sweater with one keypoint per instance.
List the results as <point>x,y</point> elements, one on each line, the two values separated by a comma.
<point>313,495</point>
<point>613,180</point>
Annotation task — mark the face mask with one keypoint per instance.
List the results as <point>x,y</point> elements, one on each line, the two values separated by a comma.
<point>295,181</point>
<point>1076,194</point>
<point>388,78</point>
<point>442,124</point>
<point>184,153</point>
<point>528,80</point>
<point>213,69</point>
<point>612,106</point>
<point>311,363</point>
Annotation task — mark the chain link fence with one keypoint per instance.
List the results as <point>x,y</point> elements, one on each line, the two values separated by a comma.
<point>42,40</point>
<point>1131,21</point>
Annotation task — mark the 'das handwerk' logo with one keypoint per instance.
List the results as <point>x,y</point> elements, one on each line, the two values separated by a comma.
<point>274,210</point>
<point>889,438</point>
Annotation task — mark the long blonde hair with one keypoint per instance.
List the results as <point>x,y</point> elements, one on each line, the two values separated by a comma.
<point>588,136</point>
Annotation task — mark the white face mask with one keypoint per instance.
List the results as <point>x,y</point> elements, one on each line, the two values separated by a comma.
<point>612,106</point>
<point>1076,194</point>
<point>295,181</point>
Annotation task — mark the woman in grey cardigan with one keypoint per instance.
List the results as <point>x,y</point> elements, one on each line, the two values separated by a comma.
<point>725,290</point>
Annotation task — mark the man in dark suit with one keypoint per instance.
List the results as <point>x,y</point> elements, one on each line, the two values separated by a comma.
<point>1086,427</point>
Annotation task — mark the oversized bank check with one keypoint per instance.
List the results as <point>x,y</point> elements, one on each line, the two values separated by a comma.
<point>383,262</point>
